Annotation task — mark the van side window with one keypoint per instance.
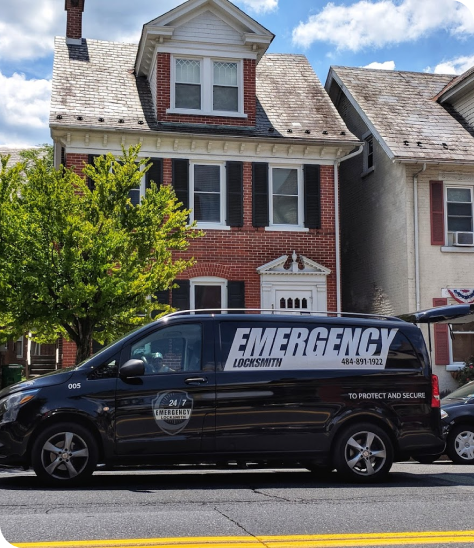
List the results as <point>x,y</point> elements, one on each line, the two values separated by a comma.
<point>402,355</point>
<point>173,349</point>
<point>108,370</point>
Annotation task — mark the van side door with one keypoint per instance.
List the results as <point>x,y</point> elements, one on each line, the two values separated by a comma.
<point>261,407</point>
<point>171,408</point>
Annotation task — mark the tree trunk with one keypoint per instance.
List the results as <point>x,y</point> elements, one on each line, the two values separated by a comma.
<point>84,342</point>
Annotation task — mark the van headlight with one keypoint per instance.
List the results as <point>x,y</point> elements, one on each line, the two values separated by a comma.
<point>10,405</point>
<point>444,415</point>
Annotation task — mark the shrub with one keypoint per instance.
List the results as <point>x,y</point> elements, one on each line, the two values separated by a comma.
<point>465,374</point>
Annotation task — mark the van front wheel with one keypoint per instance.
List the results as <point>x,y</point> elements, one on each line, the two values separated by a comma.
<point>64,454</point>
<point>363,453</point>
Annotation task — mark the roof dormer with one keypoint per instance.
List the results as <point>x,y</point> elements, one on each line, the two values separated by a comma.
<point>202,27</point>
<point>200,60</point>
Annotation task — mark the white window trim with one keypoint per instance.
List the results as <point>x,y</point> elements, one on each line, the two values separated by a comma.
<point>207,92</point>
<point>447,185</point>
<point>210,281</point>
<point>286,227</point>
<point>455,366</point>
<point>207,225</point>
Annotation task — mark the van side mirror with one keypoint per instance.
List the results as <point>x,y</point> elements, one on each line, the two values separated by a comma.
<point>132,368</point>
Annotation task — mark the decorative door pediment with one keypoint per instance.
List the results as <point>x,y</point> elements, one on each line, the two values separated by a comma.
<point>293,285</point>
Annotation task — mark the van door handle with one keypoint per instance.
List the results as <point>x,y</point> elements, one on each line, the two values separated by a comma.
<point>196,380</point>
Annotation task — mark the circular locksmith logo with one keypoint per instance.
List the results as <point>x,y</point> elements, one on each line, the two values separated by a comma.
<point>172,411</point>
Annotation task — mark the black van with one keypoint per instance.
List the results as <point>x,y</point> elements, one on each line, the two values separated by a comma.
<point>346,392</point>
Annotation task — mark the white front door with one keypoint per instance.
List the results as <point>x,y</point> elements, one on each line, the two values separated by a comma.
<point>297,300</point>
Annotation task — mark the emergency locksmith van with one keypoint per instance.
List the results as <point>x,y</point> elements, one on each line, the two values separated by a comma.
<point>344,392</point>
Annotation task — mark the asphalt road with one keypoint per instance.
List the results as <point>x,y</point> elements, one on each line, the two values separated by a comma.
<point>248,504</point>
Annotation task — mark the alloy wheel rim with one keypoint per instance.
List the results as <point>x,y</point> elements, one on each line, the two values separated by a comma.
<point>64,455</point>
<point>365,453</point>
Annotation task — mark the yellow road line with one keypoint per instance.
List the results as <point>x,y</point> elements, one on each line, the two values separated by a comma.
<point>293,541</point>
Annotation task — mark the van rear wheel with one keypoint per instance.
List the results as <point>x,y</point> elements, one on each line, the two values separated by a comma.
<point>64,454</point>
<point>363,453</point>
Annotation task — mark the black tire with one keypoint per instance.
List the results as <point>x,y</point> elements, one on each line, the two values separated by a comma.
<point>363,453</point>
<point>460,444</point>
<point>64,454</point>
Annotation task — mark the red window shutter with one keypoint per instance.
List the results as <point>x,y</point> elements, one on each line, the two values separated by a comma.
<point>441,338</point>
<point>437,212</point>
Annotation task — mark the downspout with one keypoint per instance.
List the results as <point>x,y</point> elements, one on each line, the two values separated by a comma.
<point>417,236</point>
<point>337,163</point>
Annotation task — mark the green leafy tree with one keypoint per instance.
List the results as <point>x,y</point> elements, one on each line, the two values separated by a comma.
<point>31,156</point>
<point>80,263</point>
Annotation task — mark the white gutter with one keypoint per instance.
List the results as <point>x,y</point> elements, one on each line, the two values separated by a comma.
<point>417,237</point>
<point>337,222</point>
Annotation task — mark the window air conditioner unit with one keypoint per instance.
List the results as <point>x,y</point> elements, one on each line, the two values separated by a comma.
<point>464,238</point>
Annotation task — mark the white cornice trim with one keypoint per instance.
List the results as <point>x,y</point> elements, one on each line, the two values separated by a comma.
<point>458,90</point>
<point>192,146</point>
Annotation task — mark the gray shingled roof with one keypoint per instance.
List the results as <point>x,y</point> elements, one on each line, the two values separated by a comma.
<point>96,81</point>
<point>290,93</point>
<point>401,108</point>
<point>14,154</point>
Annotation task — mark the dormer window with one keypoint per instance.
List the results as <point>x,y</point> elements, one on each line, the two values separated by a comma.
<point>226,87</point>
<point>206,86</point>
<point>188,84</point>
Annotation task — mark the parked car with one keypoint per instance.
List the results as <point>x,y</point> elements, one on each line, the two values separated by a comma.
<point>457,414</point>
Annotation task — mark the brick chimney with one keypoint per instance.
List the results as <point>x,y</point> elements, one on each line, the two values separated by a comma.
<point>74,10</point>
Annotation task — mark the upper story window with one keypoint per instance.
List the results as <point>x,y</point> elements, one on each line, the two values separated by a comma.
<point>188,84</point>
<point>370,152</point>
<point>459,209</point>
<point>368,156</point>
<point>452,216</point>
<point>226,87</point>
<point>207,86</point>
<point>286,197</point>
<point>208,194</point>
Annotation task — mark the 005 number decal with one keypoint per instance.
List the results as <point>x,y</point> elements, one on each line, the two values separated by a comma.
<point>74,385</point>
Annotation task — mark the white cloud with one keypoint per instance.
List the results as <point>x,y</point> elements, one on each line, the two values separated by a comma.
<point>387,65</point>
<point>453,66</point>
<point>259,6</point>
<point>24,110</point>
<point>379,23</point>
<point>27,28</point>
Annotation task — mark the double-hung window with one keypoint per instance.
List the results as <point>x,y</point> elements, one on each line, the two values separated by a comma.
<point>207,86</point>
<point>188,84</point>
<point>368,154</point>
<point>226,87</point>
<point>286,200</point>
<point>208,194</point>
<point>459,213</point>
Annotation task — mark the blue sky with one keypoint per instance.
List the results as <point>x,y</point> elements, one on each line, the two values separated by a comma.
<point>413,35</point>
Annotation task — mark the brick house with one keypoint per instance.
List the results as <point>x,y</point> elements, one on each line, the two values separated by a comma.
<point>250,141</point>
<point>407,202</point>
